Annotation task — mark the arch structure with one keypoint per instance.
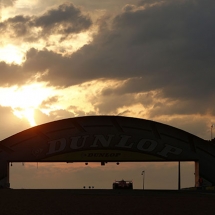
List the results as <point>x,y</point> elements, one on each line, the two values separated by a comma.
<point>106,139</point>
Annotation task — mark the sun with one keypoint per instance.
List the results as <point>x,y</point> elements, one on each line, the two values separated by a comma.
<point>25,100</point>
<point>11,54</point>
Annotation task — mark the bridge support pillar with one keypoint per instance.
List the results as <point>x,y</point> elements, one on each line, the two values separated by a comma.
<point>196,173</point>
<point>179,175</point>
<point>4,175</point>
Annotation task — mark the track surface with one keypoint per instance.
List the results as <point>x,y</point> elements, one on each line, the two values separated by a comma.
<point>106,202</point>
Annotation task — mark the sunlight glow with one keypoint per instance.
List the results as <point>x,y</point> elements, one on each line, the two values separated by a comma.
<point>11,54</point>
<point>27,113</point>
<point>24,100</point>
<point>76,100</point>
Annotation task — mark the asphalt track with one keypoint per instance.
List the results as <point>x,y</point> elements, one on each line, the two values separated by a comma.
<point>106,202</point>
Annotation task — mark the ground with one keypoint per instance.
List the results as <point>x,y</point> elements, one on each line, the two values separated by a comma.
<point>106,202</point>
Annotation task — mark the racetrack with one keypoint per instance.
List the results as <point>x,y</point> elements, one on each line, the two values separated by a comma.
<point>106,202</point>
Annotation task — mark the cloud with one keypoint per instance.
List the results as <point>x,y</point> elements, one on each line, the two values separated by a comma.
<point>64,20</point>
<point>50,101</point>
<point>10,124</point>
<point>41,118</point>
<point>157,45</point>
<point>167,47</point>
<point>11,74</point>
<point>140,45</point>
<point>8,3</point>
<point>194,124</point>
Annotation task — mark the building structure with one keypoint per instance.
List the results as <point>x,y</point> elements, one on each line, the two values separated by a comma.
<point>107,139</point>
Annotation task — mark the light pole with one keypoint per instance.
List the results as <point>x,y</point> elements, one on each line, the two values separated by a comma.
<point>211,132</point>
<point>143,174</point>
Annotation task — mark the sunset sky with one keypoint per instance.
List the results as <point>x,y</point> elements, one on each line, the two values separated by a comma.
<point>150,59</point>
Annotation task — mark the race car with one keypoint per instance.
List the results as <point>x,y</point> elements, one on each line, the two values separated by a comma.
<point>123,185</point>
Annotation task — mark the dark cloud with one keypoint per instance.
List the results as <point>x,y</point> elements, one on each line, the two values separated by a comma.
<point>50,101</point>
<point>17,26</point>
<point>11,74</point>
<point>109,5</point>
<point>110,104</point>
<point>167,46</point>
<point>196,125</point>
<point>64,20</point>
<point>177,108</point>
<point>57,68</point>
<point>79,112</point>
<point>7,3</point>
<point>131,85</point>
